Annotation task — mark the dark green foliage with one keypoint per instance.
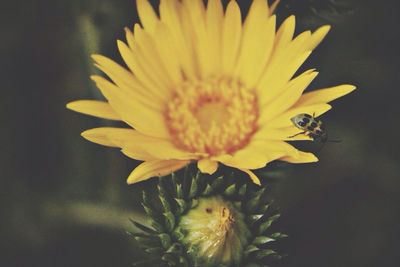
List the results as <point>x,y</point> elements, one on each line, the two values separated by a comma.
<point>176,195</point>
<point>331,11</point>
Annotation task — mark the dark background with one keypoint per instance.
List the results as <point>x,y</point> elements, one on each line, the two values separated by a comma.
<point>64,201</point>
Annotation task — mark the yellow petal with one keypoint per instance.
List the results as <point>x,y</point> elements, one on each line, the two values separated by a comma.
<point>252,176</point>
<point>214,22</point>
<point>285,48</point>
<point>285,61</point>
<point>304,157</point>
<point>102,137</point>
<point>244,160</point>
<point>150,59</point>
<point>98,138</point>
<point>290,94</point>
<point>317,37</point>
<point>141,117</point>
<point>257,43</point>
<point>168,53</point>
<point>257,154</point>
<point>285,34</point>
<point>138,155</point>
<point>127,81</point>
<point>287,53</point>
<point>109,136</point>
<point>94,108</point>
<point>274,6</point>
<point>132,143</point>
<point>158,149</point>
<point>285,134</point>
<point>283,120</point>
<point>150,169</point>
<point>325,95</point>
<point>134,90</point>
<point>147,15</point>
<point>117,73</point>
<point>273,81</point>
<point>146,63</point>
<point>194,18</point>
<point>207,166</point>
<point>144,83</point>
<point>169,13</point>
<point>231,37</point>
<point>129,37</point>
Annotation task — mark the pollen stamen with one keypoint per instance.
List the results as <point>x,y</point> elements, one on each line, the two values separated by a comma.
<point>213,116</point>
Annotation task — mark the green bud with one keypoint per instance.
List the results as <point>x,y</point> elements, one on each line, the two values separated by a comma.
<point>204,221</point>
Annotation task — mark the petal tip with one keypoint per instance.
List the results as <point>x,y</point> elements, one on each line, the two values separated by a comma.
<point>119,42</point>
<point>96,57</point>
<point>129,181</point>
<point>351,87</point>
<point>95,78</point>
<point>86,134</point>
<point>313,158</point>
<point>127,30</point>
<point>74,105</point>
<point>326,28</point>
<point>207,166</point>
<point>252,176</point>
<point>308,157</point>
<point>70,105</point>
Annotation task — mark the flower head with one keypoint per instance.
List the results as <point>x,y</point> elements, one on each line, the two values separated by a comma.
<point>202,85</point>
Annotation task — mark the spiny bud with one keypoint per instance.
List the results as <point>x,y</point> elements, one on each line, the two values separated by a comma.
<point>201,220</point>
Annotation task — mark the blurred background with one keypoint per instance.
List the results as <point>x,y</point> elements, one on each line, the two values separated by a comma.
<point>64,201</point>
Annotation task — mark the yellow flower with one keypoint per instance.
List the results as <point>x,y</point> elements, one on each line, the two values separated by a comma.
<point>203,86</point>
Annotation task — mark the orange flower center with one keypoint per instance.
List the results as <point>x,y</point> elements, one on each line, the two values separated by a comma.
<point>213,116</point>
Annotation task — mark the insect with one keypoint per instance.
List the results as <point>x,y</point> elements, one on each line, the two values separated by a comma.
<point>311,127</point>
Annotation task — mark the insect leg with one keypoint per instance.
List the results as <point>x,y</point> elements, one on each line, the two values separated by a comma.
<point>334,141</point>
<point>322,144</point>
<point>296,134</point>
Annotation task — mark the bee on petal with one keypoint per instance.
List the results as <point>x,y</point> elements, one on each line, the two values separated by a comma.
<point>312,127</point>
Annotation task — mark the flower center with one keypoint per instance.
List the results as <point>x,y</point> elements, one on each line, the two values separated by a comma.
<point>213,116</point>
